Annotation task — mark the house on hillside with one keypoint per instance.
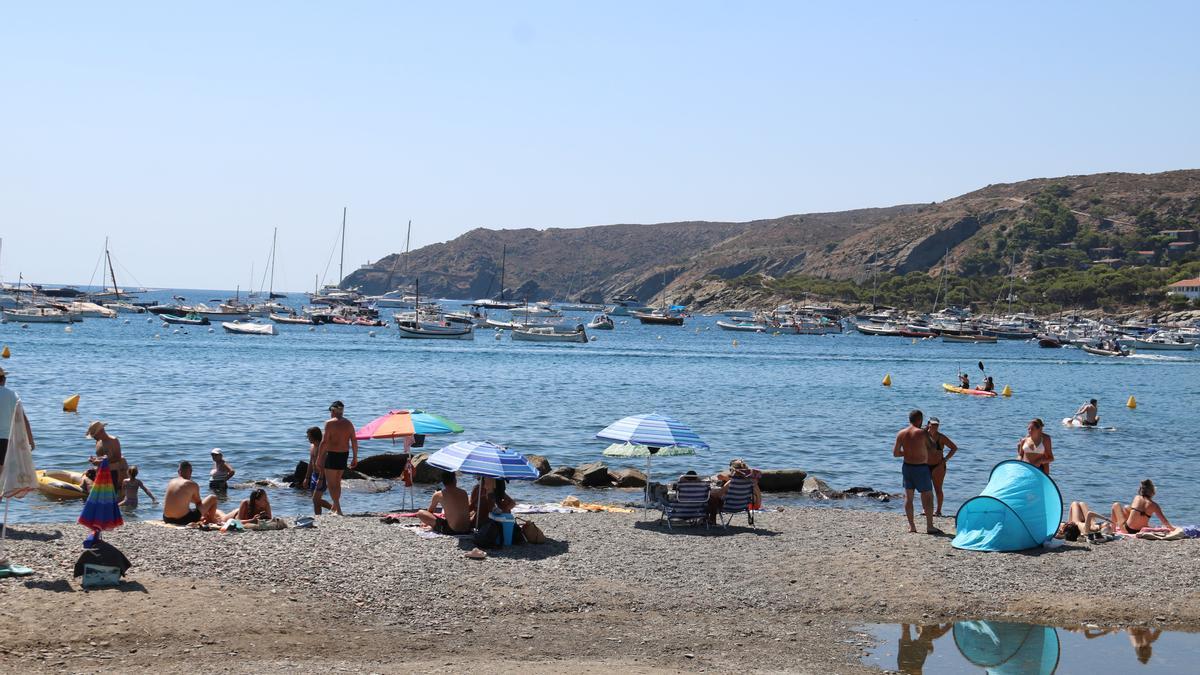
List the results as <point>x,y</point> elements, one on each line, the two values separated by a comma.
<point>1179,235</point>
<point>1111,262</point>
<point>1188,288</point>
<point>1101,252</point>
<point>1177,249</point>
<point>1142,257</point>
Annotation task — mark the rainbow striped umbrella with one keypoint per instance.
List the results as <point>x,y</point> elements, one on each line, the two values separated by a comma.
<point>399,423</point>
<point>100,511</point>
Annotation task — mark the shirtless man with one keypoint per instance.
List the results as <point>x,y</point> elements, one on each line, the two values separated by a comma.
<point>910,444</point>
<point>182,494</point>
<point>108,446</point>
<point>1087,414</point>
<point>453,499</point>
<point>333,457</point>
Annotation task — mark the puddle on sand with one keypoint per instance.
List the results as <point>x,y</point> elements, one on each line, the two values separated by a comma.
<point>1002,647</point>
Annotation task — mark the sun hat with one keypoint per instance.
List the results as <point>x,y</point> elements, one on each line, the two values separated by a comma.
<point>217,452</point>
<point>93,428</point>
<point>934,420</point>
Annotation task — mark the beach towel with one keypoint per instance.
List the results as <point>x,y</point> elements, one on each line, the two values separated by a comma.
<point>1171,535</point>
<point>1191,531</point>
<point>545,508</point>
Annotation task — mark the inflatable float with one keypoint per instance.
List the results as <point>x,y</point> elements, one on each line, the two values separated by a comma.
<point>61,484</point>
<point>970,392</point>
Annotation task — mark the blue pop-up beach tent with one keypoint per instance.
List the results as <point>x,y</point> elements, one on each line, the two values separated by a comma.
<point>1019,509</point>
<point>1002,648</point>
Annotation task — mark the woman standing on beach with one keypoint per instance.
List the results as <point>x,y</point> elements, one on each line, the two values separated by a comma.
<point>936,458</point>
<point>314,481</point>
<point>1036,448</point>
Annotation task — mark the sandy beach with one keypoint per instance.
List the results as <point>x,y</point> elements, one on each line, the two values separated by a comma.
<point>607,592</point>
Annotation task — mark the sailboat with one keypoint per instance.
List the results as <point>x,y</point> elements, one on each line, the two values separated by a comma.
<point>428,330</point>
<point>397,298</point>
<point>334,294</point>
<point>492,303</point>
<point>112,299</point>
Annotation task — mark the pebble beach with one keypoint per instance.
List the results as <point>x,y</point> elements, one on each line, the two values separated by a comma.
<point>607,591</point>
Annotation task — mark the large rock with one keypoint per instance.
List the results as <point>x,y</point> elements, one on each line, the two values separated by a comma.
<point>628,478</point>
<point>296,478</point>
<point>423,471</point>
<point>386,465</point>
<point>567,472</point>
<point>554,480</point>
<point>819,489</point>
<point>593,474</point>
<point>540,463</point>
<point>782,480</point>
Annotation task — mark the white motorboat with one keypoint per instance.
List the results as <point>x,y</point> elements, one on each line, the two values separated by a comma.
<point>887,329</point>
<point>435,331</point>
<point>89,310</point>
<point>214,314</point>
<point>549,334</point>
<point>292,319</point>
<point>743,326</point>
<point>738,314</point>
<point>579,307</point>
<point>125,308</point>
<point>974,339</point>
<point>1159,342</point>
<point>627,305</point>
<point>36,315</point>
<point>601,322</point>
<point>249,328</point>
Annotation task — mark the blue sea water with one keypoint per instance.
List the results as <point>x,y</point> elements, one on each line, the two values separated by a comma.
<point>809,402</point>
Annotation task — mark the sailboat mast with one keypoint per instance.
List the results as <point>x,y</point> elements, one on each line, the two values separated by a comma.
<point>111,271</point>
<point>271,288</point>
<point>503,260</point>
<point>342,260</point>
<point>407,239</point>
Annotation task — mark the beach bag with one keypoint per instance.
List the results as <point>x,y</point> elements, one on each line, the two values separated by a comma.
<point>101,576</point>
<point>489,535</point>
<point>532,533</point>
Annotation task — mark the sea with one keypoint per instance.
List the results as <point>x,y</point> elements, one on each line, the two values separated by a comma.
<point>815,403</point>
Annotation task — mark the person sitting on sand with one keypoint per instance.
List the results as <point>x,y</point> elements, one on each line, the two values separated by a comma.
<point>964,380</point>
<point>256,507</point>
<point>455,517</point>
<point>1136,517</point>
<point>182,504</point>
<point>910,444</point>
<point>1081,521</point>
<point>1087,414</point>
<point>131,487</point>
<point>495,498</point>
<point>1035,448</point>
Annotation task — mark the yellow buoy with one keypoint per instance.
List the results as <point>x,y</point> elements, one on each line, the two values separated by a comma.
<point>4,353</point>
<point>1131,403</point>
<point>71,404</point>
<point>887,380</point>
<point>1006,392</point>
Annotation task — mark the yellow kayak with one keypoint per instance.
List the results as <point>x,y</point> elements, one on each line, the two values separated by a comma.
<point>970,392</point>
<point>61,484</point>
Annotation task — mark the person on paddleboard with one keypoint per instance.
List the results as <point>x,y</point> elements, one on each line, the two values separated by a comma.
<point>1087,414</point>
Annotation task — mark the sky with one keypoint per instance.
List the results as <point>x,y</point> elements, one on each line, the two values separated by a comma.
<point>187,132</point>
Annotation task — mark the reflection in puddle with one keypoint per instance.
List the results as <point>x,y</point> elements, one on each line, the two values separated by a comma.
<point>1002,647</point>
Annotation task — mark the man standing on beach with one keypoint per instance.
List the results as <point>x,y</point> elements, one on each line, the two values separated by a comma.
<point>910,445</point>
<point>8,404</point>
<point>333,454</point>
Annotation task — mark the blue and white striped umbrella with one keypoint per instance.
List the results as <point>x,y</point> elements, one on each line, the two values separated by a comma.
<point>654,430</point>
<point>483,458</point>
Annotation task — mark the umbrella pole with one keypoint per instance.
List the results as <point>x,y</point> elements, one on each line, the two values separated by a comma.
<point>646,501</point>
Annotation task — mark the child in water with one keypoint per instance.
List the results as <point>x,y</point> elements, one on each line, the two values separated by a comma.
<point>131,486</point>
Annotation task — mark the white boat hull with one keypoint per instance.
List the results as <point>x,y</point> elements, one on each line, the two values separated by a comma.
<point>249,328</point>
<point>27,316</point>
<point>524,335</point>
<point>455,332</point>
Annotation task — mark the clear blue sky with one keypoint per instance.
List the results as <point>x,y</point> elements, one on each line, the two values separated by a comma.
<point>186,131</point>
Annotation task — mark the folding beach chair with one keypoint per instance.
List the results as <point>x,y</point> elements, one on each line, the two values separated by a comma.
<point>691,504</point>
<point>738,497</point>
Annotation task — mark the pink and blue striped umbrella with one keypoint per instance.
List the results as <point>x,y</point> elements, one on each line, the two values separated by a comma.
<point>483,458</point>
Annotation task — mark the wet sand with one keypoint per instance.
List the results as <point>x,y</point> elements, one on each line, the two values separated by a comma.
<point>608,592</point>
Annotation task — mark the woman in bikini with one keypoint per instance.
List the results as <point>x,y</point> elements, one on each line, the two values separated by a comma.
<point>935,456</point>
<point>254,507</point>
<point>1035,448</point>
<point>1136,517</point>
<point>1081,522</point>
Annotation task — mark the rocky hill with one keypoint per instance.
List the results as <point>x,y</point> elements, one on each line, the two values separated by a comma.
<point>673,261</point>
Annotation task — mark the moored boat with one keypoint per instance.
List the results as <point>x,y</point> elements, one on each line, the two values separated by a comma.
<point>743,326</point>
<point>659,318</point>
<point>1159,342</point>
<point>969,338</point>
<point>248,328</point>
<point>1098,351</point>
<point>186,320</point>
<point>549,334</point>
<point>36,315</point>
<point>431,331</point>
<point>292,319</point>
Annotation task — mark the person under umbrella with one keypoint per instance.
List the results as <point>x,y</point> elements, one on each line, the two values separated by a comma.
<point>483,459</point>
<point>655,432</point>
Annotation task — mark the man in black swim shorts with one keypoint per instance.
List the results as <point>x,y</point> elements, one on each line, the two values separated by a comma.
<point>333,457</point>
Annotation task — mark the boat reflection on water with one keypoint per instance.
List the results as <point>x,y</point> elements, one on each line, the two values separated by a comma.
<point>1006,648</point>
